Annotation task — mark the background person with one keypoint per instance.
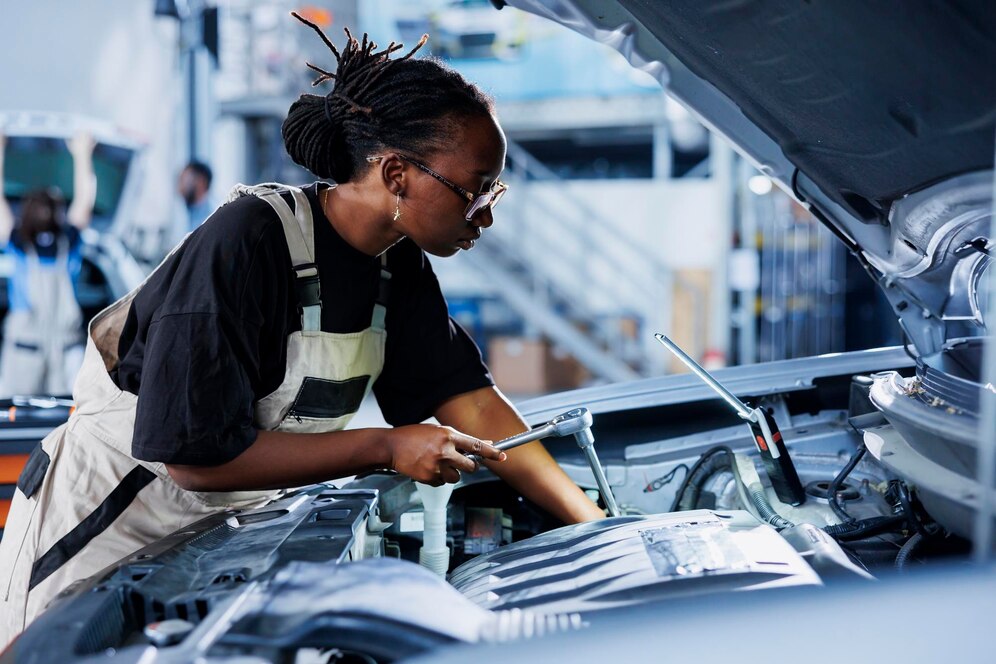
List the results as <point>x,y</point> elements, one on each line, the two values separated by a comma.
<point>193,185</point>
<point>42,338</point>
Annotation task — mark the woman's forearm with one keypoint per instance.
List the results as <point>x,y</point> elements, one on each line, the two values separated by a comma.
<point>537,475</point>
<point>279,459</point>
<point>529,469</point>
<point>6,214</point>
<point>84,181</point>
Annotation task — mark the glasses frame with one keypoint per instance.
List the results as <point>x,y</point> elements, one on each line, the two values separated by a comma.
<point>493,195</point>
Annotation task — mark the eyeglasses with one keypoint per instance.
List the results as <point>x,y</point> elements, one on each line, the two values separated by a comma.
<point>475,202</point>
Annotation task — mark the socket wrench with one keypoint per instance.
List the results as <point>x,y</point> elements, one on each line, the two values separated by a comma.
<point>576,422</point>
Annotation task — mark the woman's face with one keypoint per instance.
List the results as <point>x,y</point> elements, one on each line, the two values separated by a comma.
<point>39,213</point>
<point>432,215</point>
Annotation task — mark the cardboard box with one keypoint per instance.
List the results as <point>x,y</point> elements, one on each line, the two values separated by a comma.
<point>531,366</point>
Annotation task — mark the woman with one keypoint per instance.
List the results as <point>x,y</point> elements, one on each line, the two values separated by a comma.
<point>234,369</point>
<point>42,338</point>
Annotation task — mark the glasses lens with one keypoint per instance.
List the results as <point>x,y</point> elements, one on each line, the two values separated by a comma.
<point>478,204</point>
<point>498,193</point>
<point>489,199</point>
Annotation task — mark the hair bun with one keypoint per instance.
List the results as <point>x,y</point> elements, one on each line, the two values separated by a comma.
<point>314,142</point>
<point>377,102</point>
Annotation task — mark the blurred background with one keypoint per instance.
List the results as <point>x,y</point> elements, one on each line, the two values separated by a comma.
<point>625,215</point>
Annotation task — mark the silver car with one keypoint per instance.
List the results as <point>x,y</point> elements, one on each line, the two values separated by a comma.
<point>753,508</point>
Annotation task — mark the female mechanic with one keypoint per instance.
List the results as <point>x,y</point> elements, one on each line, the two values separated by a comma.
<point>233,370</point>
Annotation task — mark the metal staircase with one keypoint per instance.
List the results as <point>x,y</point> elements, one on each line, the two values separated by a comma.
<point>568,272</point>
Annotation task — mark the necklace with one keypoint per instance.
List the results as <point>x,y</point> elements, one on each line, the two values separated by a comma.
<point>323,199</point>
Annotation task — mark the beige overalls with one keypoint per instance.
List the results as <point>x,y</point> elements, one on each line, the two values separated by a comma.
<point>83,502</point>
<point>38,343</point>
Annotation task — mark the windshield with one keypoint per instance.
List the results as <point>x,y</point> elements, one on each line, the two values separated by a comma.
<point>37,163</point>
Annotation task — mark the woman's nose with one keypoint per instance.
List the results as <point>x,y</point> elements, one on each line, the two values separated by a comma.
<point>483,219</point>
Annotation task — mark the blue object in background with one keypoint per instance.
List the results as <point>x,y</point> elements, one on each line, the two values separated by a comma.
<point>512,55</point>
<point>467,312</point>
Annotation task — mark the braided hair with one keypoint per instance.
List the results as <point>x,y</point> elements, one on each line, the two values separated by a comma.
<point>411,105</point>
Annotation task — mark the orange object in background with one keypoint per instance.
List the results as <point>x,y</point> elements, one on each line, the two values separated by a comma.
<point>321,17</point>
<point>522,366</point>
<point>11,466</point>
<point>10,469</point>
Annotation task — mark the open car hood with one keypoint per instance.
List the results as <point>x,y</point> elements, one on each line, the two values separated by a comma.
<point>877,117</point>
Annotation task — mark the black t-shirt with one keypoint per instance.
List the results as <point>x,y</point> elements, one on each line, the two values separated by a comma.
<point>206,337</point>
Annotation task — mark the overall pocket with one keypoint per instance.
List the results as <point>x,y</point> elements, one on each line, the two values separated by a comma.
<point>321,399</point>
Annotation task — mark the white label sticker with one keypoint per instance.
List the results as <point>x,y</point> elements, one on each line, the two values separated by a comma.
<point>412,522</point>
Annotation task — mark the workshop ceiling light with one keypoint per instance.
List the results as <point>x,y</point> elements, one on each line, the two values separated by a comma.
<point>759,184</point>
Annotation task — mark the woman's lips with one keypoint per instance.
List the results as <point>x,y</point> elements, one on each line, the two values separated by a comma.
<point>468,243</point>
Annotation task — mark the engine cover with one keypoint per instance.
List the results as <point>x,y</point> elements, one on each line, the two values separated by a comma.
<point>629,560</point>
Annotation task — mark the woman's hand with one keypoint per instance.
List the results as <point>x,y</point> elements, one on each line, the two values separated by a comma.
<point>81,145</point>
<point>6,214</point>
<point>435,455</point>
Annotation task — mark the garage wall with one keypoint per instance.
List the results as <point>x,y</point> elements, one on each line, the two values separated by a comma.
<point>679,226</point>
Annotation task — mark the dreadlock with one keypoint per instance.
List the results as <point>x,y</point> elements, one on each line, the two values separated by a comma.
<point>407,104</point>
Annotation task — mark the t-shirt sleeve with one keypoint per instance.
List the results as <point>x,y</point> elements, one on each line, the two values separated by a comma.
<point>195,402</point>
<point>202,351</point>
<point>73,236</point>
<point>429,356</point>
<point>14,243</point>
<point>75,250</point>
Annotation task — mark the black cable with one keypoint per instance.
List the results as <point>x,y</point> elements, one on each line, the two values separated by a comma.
<point>664,480</point>
<point>908,548</point>
<point>835,485</point>
<point>906,500</point>
<point>864,528</point>
<point>696,468</point>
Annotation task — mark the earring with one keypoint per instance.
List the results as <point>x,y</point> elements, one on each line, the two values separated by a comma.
<point>397,207</point>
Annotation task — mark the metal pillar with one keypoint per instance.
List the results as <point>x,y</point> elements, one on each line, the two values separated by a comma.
<point>721,158</point>
<point>983,532</point>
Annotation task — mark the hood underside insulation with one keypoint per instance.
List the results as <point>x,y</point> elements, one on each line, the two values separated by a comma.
<point>872,100</point>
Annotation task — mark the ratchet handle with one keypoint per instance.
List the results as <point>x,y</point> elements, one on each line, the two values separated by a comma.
<point>519,439</point>
<point>781,471</point>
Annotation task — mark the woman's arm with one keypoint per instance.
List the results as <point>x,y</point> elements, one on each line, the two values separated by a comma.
<point>278,459</point>
<point>84,181</point>
<point>6,214</point>
<point>529,469</point>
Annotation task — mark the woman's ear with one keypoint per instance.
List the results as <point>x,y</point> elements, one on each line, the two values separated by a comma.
<point>392,173</point>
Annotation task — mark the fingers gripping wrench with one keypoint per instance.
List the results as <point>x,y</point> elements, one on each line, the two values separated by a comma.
<point>577,423</point>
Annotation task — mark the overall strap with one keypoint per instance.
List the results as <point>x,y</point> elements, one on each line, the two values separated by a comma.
<point>380,306</point>
<point>298,227</point>
<point>61,246</point>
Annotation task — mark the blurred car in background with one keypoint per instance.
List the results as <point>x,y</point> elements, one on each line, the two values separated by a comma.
<point>36,157</point>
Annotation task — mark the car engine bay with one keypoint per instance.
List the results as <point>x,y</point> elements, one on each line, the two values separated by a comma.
<point>327,570</point>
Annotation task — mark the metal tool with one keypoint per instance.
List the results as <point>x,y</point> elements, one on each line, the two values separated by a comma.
<point>767,437</point>
<point>577,423</point>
